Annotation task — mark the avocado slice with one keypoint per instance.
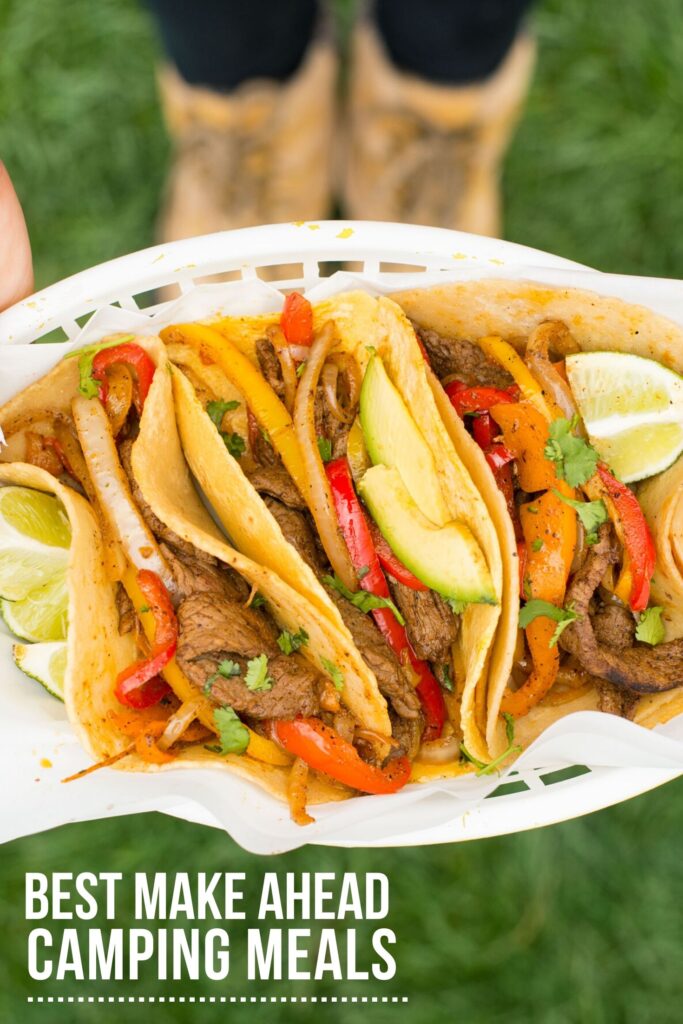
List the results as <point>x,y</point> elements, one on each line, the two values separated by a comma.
<point>446,558</point>
<point>393,438</point>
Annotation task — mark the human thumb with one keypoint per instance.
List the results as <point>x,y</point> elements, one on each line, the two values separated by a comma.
<point>16,270</point>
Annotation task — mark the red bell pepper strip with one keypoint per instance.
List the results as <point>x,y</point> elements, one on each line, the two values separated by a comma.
<point>324,750</point>
<point>467,400</point>
<point>356,532</point>
<point>296,319</point>
<point>635,536</point>
<point>390,563</point>
<point>139,685</point>
<point>135,357</point>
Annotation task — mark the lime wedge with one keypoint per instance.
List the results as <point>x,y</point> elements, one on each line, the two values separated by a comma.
<point>33,515</point>
<point>44,662</point>
<point>34,540</point>
<point>632,408</point>
<point>42,615</point>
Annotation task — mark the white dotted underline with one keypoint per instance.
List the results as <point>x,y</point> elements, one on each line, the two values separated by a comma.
<point>217,999</point>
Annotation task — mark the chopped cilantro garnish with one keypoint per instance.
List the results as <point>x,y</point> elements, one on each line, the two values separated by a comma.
<point>235,443</point>
<point>144,608</point>
<point>447,678</point>
<point>334,672</point>
<point>575,459</point>
<point>257,601</point>
<point>532,510</point>
<point>257,678</point>
<point>217,411</point>
<point>591,513</point>
<point>226,669</point>
<point>536,544</point>
<point>325,448</point>
<point>535,608</point>
<point>300,368</point>
<point>363,571</point>
<point>526,588</point>
<point>457,607</point>
<point>512,748</point>
<point>291,642</point>
<point>650,628</point>
<point>362,599</point>
<point>233,736</point>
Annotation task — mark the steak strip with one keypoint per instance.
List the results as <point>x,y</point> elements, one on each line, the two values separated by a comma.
<point>455,357</point>
<point>642,669</point>
<point>431,625</point>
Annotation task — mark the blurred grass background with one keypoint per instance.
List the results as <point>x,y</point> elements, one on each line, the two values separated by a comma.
<point>579,923</point>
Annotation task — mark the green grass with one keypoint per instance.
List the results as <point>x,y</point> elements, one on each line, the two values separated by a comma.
<point>578,923</point>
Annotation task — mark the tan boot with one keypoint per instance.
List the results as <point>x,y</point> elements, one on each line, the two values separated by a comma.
<point>258,155</point>
<point>421,153</point>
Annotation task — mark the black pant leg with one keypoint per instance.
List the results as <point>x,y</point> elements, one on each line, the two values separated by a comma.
<point>221,43</point>
<point>449,41</point>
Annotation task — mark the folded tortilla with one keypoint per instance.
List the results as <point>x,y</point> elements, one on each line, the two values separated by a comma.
<point>363,323</point>
<point>512,309</point>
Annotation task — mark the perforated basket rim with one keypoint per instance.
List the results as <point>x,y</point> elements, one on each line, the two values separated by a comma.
<point>310,244</point>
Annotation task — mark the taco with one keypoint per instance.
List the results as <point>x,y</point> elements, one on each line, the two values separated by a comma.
<point>315,435</point>
<point>179,649</point>
<point>562,404</point>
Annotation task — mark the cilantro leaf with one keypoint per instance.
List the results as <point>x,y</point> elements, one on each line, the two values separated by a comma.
<point>363,571</point>
<point>258,600</point>
<point>535,608</point>
<point>226,669</point>
<point>144,608</point>
<point>362,599</point>
<point>576,460</point>
<point>291,642</point>
<point>233,736</point>
<point>334,672</point>
<point>457,607</point>
<point>217,411</point>
<point>591,513</point>
<point>300,368</point>
<point>447,678</point>
<point>235,444</point>
<point>513,748</point>
<point>650,628</point>
<point>257,679</point>
<point>537,544</point>
<point>325,448</point>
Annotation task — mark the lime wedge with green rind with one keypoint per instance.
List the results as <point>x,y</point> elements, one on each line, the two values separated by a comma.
<point>45,663</point>
<point>26,514</point>
<point>632,408</point>
<point>42,615</point>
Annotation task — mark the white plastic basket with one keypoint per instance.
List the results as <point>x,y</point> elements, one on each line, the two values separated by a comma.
<point>376,251</point>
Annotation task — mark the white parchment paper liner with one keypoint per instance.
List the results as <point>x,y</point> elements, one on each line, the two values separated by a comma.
<point>38,748</point>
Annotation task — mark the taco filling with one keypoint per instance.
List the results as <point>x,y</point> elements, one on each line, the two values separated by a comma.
<point>332,449</point>
<point>585,551</point>
<point>210,666</point>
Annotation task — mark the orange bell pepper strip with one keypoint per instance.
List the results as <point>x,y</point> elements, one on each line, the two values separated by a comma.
<point>270,412</point>
<point>525,434</point>
<point>549,527</point>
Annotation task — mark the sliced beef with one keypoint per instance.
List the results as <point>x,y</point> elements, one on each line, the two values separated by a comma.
<point>431,625</point>
<point>270,366</point>
<point>614,626</point>
<point>273,479</point>
<point>463,359</point>
<point>329,426</point>
<point>297,530</point>
<point>213,629</point>
<point>615,701</point>
<point>375,652</point>
<point>641,668</point>
<point>125,609</point>
<point>408,733</point>
<point>195,572</point>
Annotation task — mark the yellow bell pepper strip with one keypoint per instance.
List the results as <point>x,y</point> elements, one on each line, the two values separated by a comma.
<point>549,526</point>
<point>259,747</point>
<point>503,353</point>
<point>270,412</point>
